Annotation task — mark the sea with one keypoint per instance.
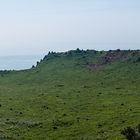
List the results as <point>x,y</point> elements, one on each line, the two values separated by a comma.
<point>19,62</point>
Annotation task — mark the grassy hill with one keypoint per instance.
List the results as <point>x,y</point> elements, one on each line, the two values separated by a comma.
<point>76,95</point>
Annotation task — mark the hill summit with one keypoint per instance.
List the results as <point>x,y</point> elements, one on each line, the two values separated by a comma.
<point>96,59</point>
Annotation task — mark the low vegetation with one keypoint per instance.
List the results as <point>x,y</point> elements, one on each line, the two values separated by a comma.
<point>76,95</point>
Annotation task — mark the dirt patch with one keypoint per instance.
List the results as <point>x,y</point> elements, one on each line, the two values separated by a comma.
<point>110,57</point>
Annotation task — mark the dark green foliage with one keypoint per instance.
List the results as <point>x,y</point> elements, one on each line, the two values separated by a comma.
<point>37,63</point>
<point>118,50</point>
<point>78,50</point>
<point>4,72</point>
<point>138,59</point>
<point>33,66</point>
<point>138,127</point>
<point>131,133</point>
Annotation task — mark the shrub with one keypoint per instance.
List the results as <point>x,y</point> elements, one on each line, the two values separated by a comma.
<point>38,63</point>
<point>138,59</point>
<point>33,66</point>
<point>131,133</point>
<point>78,50</point>
<point>118,50</point>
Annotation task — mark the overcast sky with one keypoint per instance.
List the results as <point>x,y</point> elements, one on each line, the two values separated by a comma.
<point>37,26</point>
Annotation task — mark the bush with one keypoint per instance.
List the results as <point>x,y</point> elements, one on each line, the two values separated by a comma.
<point>118,50</point>
<point>78,50</point>
<point>131,133</point>
<point>138,59</point>
<point>33,66</point>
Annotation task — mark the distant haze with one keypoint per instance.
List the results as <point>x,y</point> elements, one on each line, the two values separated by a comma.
<point>18,62</point>
<point>29,27</point>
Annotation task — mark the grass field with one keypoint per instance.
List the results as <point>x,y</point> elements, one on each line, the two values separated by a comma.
<point>77,95</point>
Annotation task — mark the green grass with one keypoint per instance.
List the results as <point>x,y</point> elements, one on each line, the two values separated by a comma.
<point>61,99</point>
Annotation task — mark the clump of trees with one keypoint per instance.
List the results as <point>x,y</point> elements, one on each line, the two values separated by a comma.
<point>75,52</point>
<point>131,133</point>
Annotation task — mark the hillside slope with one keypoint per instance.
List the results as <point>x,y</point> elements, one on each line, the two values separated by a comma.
<point>76,95</point>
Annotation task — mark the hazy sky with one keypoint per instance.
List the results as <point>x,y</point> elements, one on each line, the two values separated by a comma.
<point>39,26</point>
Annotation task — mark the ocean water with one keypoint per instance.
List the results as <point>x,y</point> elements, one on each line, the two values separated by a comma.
<point>18,62</point>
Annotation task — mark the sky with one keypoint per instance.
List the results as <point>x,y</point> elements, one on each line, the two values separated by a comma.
<point>29,27</point>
